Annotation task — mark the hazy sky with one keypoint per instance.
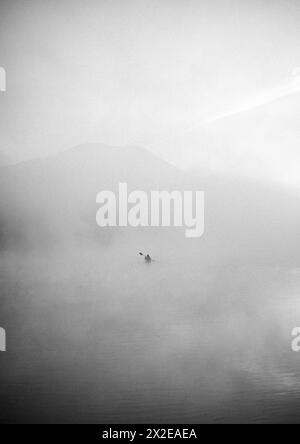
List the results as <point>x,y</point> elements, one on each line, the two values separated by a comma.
<point>138,71</point>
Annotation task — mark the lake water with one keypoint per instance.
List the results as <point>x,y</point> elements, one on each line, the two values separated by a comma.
<point>99,339</point>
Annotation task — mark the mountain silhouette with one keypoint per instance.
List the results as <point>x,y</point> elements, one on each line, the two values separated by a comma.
<point>51,202</point>
<point>55,197</point>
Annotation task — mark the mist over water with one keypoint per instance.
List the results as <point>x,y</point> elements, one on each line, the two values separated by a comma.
<point>104,338</point>
<point>96,335</point>
<point>202,334</point>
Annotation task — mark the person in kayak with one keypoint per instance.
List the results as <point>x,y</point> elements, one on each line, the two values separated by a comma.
<point>147,257</point>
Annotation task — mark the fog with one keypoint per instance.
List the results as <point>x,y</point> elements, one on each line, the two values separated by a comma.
<point>141,71</point>
<point>184,95</point>
<point>96,335</point>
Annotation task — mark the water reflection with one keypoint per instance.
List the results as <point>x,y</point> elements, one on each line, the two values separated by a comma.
<point>112,340</point>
